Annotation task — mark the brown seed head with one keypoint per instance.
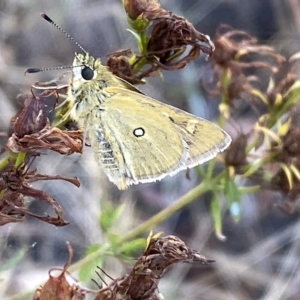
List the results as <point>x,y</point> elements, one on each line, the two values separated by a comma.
<point>118,64</point>
<point>236,154</point>
<point>170,37</point>
<point>291,142</point>
<point>134,8</point>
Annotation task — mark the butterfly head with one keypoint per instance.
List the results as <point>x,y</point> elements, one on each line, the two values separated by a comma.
<point>85,67</point>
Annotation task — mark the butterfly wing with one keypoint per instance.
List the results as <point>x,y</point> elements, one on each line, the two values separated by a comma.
<point>143,140</point>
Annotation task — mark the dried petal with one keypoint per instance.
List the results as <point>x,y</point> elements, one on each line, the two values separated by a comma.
<point>33,117</point>
<point>63,142</point>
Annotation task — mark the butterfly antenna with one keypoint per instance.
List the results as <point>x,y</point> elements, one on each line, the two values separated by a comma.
<point>48,19</point>
<point>37,70</point>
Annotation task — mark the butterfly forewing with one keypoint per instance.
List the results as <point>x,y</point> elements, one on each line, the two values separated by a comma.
<point>131,133</point>
<point>204,139</point>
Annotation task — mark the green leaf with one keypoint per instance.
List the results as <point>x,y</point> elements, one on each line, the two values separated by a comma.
<point>142,40</point>
<point>136,35</point>
<point>114,242</point>
<point>233,197</point>
<point>216,212</point>
<point>260,95</point>
<point>88,271</point>
<point>295,87</point>
<point>93,248</point>
<point>110,215</point>
<point>134,246</point>
<point>139,24</point>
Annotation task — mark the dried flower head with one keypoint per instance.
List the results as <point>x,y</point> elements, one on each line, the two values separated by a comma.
<point>118,63</point>
<point>236,155</point>
<point>8,211</point>
<point>15,185</point>
<point>142,281</point>
<point>61,287</point>
<point>170,38</point>
<point>32,130</point>
<point>134,8</point>
<point>172,43</point>
<point>236,59</point>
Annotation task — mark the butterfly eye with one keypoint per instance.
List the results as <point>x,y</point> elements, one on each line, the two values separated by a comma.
<point>87,73</point>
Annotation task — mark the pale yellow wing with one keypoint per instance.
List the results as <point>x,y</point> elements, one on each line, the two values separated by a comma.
<point>143,140</point>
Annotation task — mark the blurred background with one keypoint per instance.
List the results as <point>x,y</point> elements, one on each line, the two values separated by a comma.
<point>259,258</point>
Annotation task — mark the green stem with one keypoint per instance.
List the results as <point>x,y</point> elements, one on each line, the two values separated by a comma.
<point>9,156</point>
<point>249,189</point>
<point>20,159</point>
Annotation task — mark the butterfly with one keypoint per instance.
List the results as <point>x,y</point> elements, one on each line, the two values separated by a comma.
<point>136,139</point>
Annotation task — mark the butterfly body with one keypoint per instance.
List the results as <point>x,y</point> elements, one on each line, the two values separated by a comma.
<point>135,138</point>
